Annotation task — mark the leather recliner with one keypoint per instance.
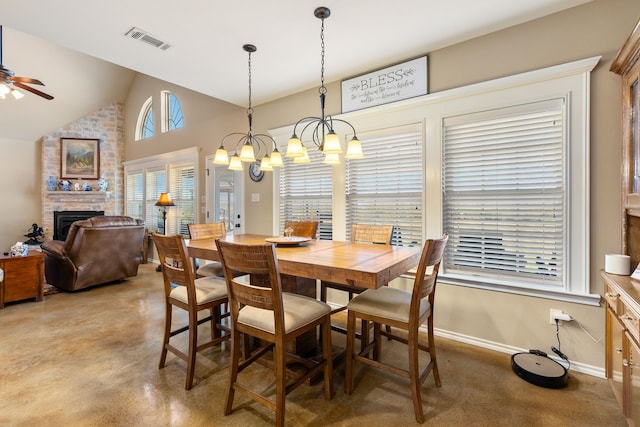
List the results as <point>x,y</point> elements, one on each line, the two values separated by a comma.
<point>97,250</point>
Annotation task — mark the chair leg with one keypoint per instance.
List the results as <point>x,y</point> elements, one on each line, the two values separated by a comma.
<point>377,342</point>
<point>351,336</point>
<point>432,353</point>
<point>328,357</point>
<point>414,376</point>
<point>216,319</point>
<point>167,334</point>
<point>281,378</point>
<point>193,344</point>
<point>233,369</point>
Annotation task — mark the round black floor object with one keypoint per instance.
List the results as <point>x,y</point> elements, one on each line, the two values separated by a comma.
<point>537,368</point>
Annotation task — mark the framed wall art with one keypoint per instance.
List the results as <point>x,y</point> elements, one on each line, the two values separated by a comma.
<point>79,158</point>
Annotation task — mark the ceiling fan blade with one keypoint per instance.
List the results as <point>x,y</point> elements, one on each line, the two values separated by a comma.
<point>27,80</point>
<point>32,90</point>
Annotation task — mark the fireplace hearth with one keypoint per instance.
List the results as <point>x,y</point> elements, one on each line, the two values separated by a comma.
<point>62,221</point>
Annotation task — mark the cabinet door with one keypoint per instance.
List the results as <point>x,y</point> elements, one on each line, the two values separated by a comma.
<point>634,382</point>
<point>614,354</point>
<point>21,278</point>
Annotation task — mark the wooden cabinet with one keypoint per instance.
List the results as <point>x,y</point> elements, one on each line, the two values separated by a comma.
<point>23,277</point>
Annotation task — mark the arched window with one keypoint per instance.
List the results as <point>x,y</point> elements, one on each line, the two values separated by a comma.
<point>171,112</point>
<point>144,127</point>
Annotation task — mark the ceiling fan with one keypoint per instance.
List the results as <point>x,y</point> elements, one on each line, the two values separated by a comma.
<point>9,81</point>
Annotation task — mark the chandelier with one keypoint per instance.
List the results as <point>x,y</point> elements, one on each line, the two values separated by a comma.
<point>249,146</point>
<point>321,128</point>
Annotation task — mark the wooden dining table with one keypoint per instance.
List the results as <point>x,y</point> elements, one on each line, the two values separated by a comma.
<point>357,264</point>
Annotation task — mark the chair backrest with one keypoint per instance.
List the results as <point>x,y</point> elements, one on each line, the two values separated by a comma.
<point>365,233</point>
<point>265,289</point>
<point>303,228</point>
<point>176,263</point>
<point>210,230</point>
<point>427,272</point>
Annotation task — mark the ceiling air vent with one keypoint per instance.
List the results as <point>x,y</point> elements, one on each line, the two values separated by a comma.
<point>141,35</point>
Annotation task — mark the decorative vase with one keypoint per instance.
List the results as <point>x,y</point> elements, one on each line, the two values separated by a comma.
<point>51,184</point>
<point>65,185</point>
<point>103,184</point>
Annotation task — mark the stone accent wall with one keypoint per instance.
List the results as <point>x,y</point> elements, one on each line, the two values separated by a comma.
<point>107,125</point>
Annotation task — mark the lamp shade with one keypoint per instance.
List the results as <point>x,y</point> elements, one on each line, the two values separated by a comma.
<point>165,200</point>
<point>294,148</point>
<point>276,159</point>
<point>331,143</point>
<point>235,164</point>
<point>222,156</point>
<point>354,149</point>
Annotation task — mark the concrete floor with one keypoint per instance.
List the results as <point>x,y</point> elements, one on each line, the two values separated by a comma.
<point>91,359</point>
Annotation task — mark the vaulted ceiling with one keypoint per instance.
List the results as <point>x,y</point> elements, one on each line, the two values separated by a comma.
<point>78,48</point>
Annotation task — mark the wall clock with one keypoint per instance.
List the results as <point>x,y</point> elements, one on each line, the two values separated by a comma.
<point>255,173</point>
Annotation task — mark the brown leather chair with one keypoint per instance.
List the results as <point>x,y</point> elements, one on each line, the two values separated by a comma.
<point>405,310</point>
<point>184,291</point>
<point>260,309</point>
<point>97,250</point>
<point>302,228</point>
<point>210,230</point>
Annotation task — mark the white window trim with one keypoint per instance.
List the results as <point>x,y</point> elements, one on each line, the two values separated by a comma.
<point>570,80</point>
<point>148,103</point>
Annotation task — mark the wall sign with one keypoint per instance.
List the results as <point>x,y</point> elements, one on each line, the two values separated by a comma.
<point>390,84</point>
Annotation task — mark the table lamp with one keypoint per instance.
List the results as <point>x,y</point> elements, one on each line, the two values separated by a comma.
<point>164,200</point>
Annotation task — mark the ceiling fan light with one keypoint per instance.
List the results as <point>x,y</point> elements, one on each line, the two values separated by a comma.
<point>331,143</point>
<point>294,147</point>
<point>247,154</point>
<point>354,150</point>
<point>276,159</point>
<point>222,157</point>
<point>4,89</point>
<point>17,94</point>
<point>235,164</point>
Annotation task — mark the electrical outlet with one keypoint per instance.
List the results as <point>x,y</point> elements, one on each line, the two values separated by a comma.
<point>559,315</point>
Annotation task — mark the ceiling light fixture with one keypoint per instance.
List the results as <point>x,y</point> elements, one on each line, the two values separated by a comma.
<point>323,134</point>
<point>250,146</point>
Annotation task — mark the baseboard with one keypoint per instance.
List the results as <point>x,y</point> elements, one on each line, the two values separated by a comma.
<point>503,348</point>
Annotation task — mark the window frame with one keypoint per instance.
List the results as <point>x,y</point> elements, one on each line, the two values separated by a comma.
<point>570,80</point>
<point>170,107</point>
<point>144,116</point>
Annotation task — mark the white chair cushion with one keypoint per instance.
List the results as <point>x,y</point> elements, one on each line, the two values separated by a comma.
<point>210,269</point>
<point>298,311</point>
<point>207,289</point>
<point>387,302</point>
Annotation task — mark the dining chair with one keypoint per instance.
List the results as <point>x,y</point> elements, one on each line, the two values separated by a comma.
<point>360,233</point>
<point>210,230</point>
<point>405,310</point>
<point>302,228</point>
<point>260,309</point>
<point>193,295</point>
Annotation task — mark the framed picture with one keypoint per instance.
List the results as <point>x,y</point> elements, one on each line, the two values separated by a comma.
<point>79,158</point>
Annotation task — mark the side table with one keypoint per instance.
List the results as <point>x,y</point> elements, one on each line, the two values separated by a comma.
<point>23,277</point>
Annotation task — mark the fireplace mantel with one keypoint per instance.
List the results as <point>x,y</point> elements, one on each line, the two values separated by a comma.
<point>78,196</point>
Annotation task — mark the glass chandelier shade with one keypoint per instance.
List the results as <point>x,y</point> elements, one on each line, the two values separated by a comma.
<point>249,146</point>
<point>321,128</point>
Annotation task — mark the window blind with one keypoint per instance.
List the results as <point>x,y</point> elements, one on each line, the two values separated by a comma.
<point>156,183</point>
<point>386,187</point>
<point>135,195</point>
<point>306,193</point>
<point>504,193</point>
<point>182,189</point>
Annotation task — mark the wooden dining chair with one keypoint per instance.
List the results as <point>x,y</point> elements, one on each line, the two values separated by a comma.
<point>210,230</point>
<point>302,228</point>
<point>360,233</point>
<point>184,291</point>
<point>405,310</point>
<point>260,309</point>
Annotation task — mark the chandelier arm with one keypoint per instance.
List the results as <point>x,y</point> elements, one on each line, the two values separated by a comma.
<point>331,119</point>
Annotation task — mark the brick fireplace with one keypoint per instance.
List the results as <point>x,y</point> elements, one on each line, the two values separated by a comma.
<point>107,125</point>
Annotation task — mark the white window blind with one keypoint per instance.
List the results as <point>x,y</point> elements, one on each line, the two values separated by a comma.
<point>135,195</point>
<point>156,183</point>
<point>306,193</point>
<point>182,189</point>
<point>504,193</point>
<point>386,187</point>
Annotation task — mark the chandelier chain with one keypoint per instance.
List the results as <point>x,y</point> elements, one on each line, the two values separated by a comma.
<point>249,110</point>
<point>323,88</point>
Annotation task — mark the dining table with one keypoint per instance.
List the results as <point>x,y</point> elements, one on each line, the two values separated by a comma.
<point>302,262</point>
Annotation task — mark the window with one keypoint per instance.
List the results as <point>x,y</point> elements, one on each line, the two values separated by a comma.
<point>144,126</point>
<point>171,112</point>
<point>386,187</point>
<point>147,178</point>
<point>306,193</point>
<point>504,193</point>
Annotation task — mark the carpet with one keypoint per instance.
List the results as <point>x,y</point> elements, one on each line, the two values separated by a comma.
<point>50,289</point>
